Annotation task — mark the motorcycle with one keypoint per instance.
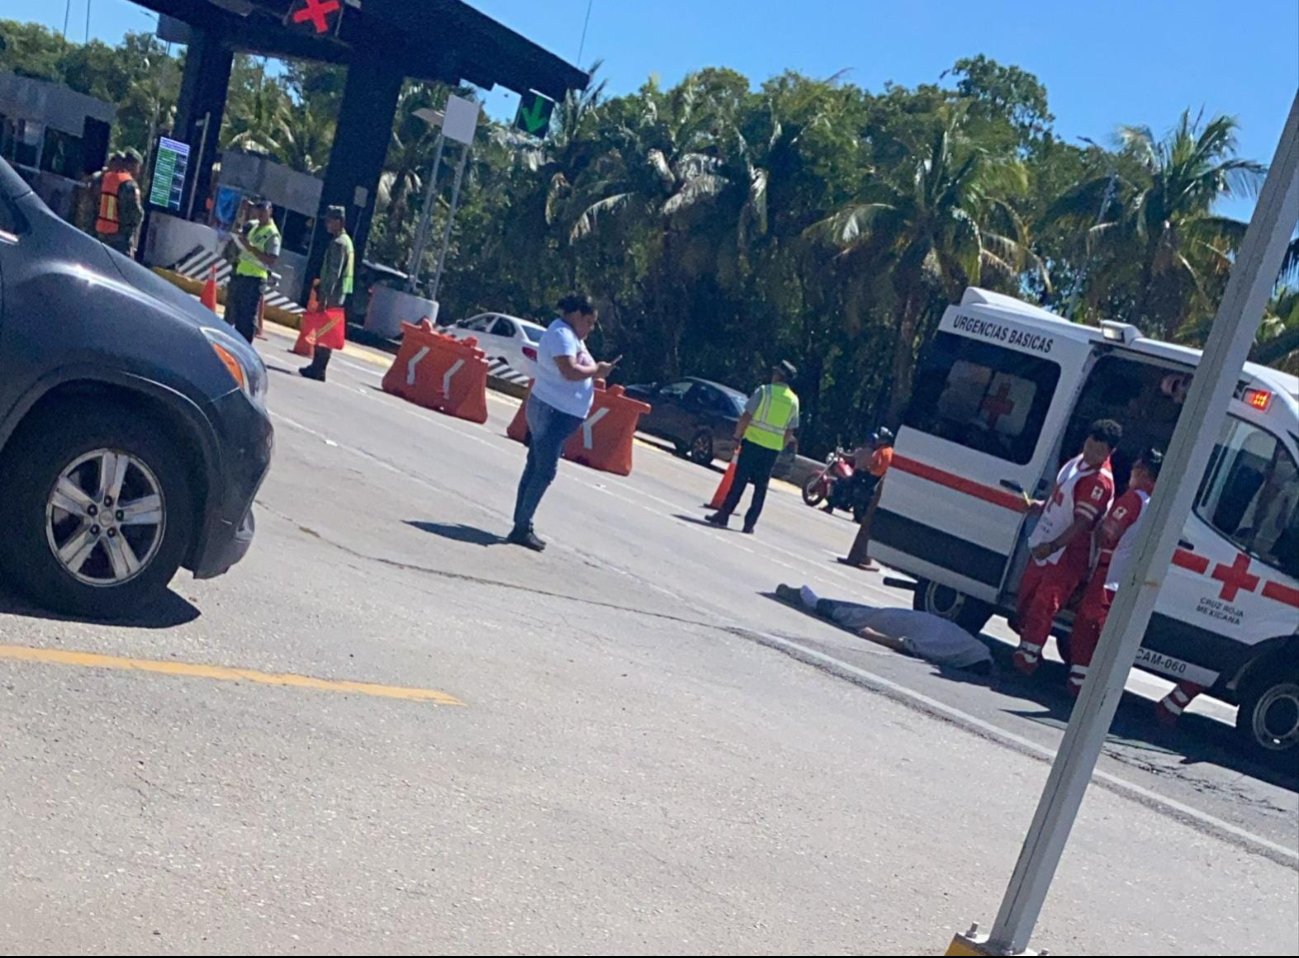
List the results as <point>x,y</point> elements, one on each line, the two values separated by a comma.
<point>836,486</point>
<point>821,485</point>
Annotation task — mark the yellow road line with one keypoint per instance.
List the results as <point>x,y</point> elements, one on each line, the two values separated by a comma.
<point>220,673</point>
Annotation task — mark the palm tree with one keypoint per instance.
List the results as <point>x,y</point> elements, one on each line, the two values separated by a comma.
<point>945,222</point>
<point>1277,342</point>
<point>663,166</point>
<point>1160,254</point>
<point>299,137</point>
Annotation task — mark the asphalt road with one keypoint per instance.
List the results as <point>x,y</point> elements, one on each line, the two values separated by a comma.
<point>389,732</point>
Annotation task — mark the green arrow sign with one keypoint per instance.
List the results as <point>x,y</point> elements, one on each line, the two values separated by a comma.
<point>534,114</point>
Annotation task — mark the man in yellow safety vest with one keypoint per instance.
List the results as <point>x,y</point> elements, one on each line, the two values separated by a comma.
<point>768,425</point>
<point>258,252</point>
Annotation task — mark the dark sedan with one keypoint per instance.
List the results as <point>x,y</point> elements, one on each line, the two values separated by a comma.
<point>697,416</point>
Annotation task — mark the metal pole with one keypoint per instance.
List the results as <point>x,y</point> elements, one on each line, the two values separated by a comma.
<point>198,166</point>
<point>451,215</point>
<point>1239,314</point>
<point>425,218</point>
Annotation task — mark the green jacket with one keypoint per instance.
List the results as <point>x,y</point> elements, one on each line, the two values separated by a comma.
<point>130,210</point>
<point>336,272</point>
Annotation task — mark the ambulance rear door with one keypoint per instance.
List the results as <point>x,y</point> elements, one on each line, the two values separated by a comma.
<point>992,395</point>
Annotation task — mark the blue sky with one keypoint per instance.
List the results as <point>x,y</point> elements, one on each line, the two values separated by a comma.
<point>1104,63</point>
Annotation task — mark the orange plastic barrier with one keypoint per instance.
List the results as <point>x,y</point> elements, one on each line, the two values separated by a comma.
<point>439,372</point>
<point>605,440</point>
<point>724,487</point>
<point>304,346</point>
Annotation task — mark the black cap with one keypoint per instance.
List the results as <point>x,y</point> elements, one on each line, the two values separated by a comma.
<point>335,213</point>
<point>786,369</point>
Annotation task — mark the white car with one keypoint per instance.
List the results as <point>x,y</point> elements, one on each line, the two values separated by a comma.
<point>505,339</point>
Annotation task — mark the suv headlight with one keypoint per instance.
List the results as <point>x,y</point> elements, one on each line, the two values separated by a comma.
<point>249,375</point>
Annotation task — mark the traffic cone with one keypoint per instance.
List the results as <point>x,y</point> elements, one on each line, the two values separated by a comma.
<point>209,295</point>
<point>724,486</point>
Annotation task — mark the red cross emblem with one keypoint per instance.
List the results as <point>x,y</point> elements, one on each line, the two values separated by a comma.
<point>1235,577</point>
<point>997,405</point>
<point>317,11</point>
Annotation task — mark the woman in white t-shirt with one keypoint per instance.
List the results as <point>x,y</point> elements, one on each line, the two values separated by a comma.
<point>561,399</point>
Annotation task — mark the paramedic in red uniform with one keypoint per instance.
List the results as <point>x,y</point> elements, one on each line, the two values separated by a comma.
<point>1060,545</point>
<point>1116,541</point>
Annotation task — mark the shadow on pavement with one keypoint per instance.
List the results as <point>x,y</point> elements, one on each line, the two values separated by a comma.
<point>1198,739</point>
<point>698,521</point>
<point>171,610</point>
<point>458,532</point>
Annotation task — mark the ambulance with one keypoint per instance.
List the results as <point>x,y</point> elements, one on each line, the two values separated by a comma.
<point>1003,396</point>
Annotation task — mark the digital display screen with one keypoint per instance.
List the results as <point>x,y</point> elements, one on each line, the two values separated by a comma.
<point>170,167</point>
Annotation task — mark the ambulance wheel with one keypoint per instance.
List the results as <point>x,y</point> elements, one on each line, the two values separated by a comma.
<point>1268,717</point>
<point>969,613</point>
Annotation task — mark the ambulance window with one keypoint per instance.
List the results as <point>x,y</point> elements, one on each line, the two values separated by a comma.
<point>1250,494</point>
<point>982,396</point>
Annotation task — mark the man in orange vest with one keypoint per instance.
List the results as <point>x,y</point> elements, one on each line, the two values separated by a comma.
<point>120,208</point>
<point>85,205</point>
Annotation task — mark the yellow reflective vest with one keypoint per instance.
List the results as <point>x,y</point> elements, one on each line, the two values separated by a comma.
<point>777,408</point>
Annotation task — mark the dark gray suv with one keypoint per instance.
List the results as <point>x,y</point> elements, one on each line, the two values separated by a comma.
<point>133,425</point>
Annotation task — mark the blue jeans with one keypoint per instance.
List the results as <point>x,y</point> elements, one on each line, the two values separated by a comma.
<point>549,430</point>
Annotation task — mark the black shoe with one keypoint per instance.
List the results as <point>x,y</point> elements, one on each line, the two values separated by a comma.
<point>319,360</point>
<point>748,530</point>
<point>526,538</point>
<point>717,519</point>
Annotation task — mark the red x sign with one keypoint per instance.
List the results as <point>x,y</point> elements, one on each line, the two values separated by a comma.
<point>320,13</point>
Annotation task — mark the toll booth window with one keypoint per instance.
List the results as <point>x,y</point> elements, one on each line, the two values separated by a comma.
<point>1250,494</point>
<point>982,396</point>
<point>61,154</point>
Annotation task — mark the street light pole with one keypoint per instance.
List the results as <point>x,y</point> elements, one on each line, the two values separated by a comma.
<point>425,218</point>
<point>451,215</point>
